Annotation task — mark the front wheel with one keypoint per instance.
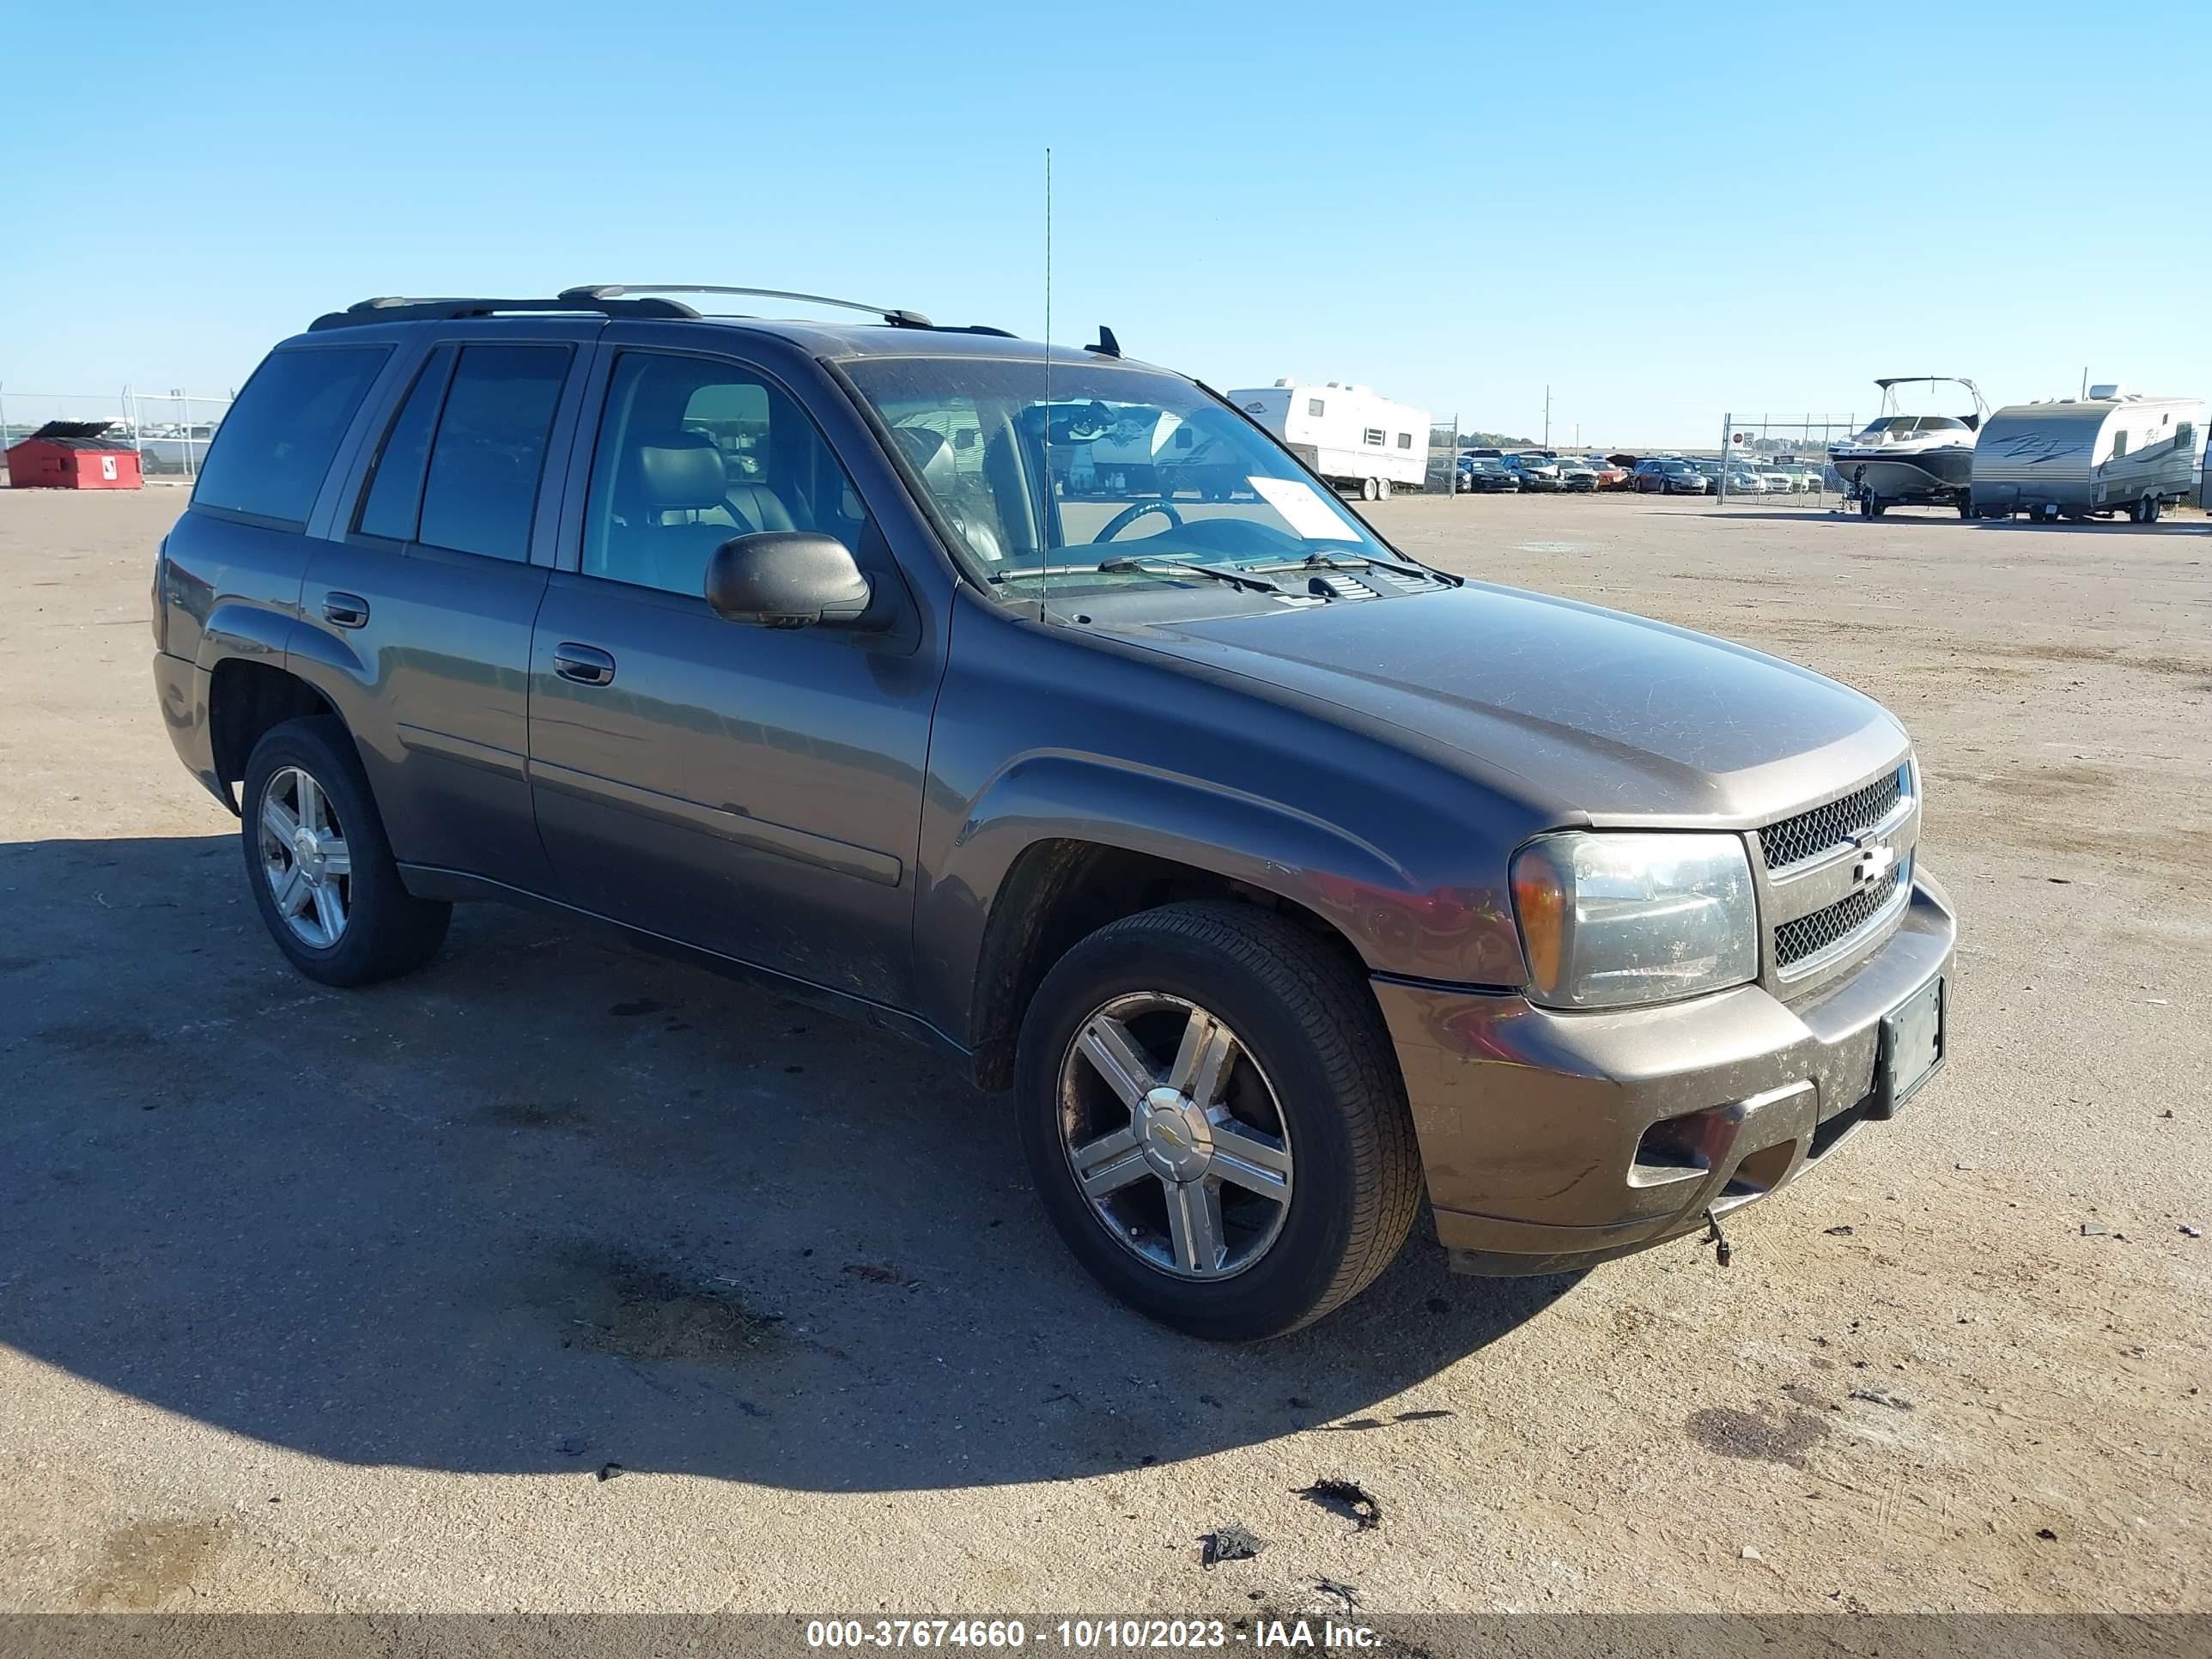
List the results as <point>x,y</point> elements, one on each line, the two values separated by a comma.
<point>1213,1116</point>
<point>321,870</point>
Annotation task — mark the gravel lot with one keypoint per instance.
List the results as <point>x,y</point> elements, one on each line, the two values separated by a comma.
<point>349,1301</point>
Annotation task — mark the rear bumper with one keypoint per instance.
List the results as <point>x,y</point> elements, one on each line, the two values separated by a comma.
<point>182,689</point>
<point>1554,1140</point>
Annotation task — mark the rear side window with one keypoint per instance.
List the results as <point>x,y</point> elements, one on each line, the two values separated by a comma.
<point>395,487</point>
<point>481,490</point>
<point>270,454</point>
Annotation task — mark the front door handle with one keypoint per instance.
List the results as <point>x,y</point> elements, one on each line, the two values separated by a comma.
<point>345,610</point>
<point>586,665</point>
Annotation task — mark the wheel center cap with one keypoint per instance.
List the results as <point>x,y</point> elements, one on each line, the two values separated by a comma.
<point>1176,1139</point>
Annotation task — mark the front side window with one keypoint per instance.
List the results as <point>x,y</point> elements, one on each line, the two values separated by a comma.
<point>2119,445</point>
<point>279,438</point>
<point>1314,405</point>
<point>480,491</point>
<point>693,451</point>
<point>1087,469</point>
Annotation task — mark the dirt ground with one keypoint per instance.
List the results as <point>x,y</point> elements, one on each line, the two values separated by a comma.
<point>559,1277</point>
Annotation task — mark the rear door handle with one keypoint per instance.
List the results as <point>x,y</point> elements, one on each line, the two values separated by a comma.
<point>345,610</point>
<point>586,664</point>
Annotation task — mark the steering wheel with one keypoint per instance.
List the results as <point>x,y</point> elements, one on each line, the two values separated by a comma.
<point>1128,515</point>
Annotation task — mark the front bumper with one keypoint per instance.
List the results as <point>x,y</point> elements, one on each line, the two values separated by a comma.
<point>1552,1141</point>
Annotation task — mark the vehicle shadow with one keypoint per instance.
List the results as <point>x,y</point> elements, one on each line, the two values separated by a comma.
<point>553,1204</point>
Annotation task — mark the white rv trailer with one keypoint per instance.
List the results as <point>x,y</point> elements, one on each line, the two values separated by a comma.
<point>2089,458</point>
<point>1353,437</point>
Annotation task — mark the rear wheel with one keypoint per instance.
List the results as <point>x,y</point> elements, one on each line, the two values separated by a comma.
<point>1381,489</point>
<point>1214,1119</point>
<point>2151,508</point>
<point>321,870</point>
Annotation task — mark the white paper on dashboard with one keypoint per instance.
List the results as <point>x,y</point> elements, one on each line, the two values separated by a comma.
<point>1301,504</point>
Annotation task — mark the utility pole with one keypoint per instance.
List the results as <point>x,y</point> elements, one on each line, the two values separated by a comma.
<point>1547,417</point>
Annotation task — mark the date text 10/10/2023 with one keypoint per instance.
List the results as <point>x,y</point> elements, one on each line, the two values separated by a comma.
<point>1091,1634</point>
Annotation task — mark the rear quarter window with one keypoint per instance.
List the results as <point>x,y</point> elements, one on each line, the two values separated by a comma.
<point>269,454</point>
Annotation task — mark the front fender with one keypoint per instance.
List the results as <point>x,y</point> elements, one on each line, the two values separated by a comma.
<point>1397,922</point>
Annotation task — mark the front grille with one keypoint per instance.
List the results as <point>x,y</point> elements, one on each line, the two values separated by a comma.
<point>1825,828</point>
<point>1807,936</point>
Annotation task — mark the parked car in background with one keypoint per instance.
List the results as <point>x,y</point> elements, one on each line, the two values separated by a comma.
<point>1576,474</point>
<point>1536,472</point>
<point>1778,482</point>
<point>1486,475</point>
<point>1610,474</point>
<point>1670,476</point>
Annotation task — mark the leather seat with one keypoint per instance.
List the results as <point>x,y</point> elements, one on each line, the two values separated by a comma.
<point>672,472</point>
<point>760,504</point>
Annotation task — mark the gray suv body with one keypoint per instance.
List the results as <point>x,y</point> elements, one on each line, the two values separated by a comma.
<point>1281,879</point>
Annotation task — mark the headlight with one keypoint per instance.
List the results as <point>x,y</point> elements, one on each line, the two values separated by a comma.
<point>1609,920</point>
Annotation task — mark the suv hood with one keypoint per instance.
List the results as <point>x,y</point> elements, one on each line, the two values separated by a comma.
<point>1587,714</point>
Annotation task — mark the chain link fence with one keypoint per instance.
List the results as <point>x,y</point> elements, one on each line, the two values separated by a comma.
<point>1778,459</point>
<point>170,428</point>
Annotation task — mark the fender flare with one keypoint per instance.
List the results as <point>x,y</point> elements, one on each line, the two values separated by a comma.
<point>1345,880</point>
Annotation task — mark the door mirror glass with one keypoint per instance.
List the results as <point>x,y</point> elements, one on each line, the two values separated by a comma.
<point>787,578</point>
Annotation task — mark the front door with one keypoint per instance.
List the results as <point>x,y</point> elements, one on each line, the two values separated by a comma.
<point>752,791</point>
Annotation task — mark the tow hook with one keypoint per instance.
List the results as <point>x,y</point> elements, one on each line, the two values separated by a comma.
<point>1714,1237</point>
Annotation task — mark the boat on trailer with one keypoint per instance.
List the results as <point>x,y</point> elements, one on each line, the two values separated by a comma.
<point>1911,460</point>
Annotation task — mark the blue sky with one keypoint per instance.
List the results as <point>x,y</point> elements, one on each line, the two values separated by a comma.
<point>1662,212</point>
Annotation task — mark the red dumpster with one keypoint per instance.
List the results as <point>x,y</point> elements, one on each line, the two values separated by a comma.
<point>72,455</point>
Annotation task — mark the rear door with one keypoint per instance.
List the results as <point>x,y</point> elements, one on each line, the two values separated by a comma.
<point>426,595</point>
<point>754,792</point>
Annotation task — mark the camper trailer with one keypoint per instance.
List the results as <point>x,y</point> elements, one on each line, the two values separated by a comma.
<point>2089,458</point>
<point>1351,436</point>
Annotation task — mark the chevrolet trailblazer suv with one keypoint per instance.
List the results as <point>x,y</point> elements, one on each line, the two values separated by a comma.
<point>1281,878</point>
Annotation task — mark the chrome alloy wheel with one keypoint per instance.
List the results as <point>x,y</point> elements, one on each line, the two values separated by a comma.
<point>304,856</point>
<point>1174,1135</point>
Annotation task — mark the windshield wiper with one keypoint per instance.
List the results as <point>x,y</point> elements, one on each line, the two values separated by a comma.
<point>1149,564</point>
<point>1352,561</point>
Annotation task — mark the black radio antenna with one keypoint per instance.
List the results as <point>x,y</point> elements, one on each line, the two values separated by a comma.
<point>1051,524</point>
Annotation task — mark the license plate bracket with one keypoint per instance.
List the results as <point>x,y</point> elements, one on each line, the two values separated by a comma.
<point>1915,1042</point>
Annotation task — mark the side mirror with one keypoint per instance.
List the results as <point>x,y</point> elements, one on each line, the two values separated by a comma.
<point>786,578</point>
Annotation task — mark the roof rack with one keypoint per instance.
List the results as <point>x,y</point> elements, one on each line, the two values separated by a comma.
<point>393,309</point>
<point>612,299</point>
<point>896,316</point>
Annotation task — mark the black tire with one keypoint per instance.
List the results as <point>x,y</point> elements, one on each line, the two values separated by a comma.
<point>2153,507</point>
<point>387,931</point>
<point>1307,1018</point>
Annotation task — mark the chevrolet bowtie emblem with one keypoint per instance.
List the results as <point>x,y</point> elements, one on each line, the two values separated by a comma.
<point>1872,863</point>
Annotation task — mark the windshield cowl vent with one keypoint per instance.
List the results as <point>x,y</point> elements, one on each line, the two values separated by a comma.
<point>1340,587</point>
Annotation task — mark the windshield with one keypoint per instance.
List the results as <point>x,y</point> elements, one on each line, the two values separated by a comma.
<point>1141,465</point>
